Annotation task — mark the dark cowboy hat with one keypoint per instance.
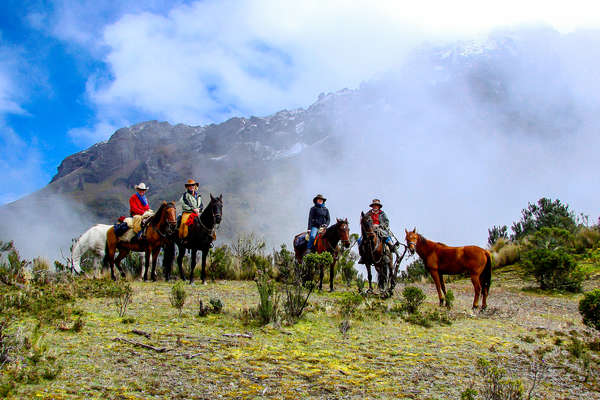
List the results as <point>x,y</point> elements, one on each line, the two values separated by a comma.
<point>319,196</point>
<point>191,182</point>
<point>376,202</point>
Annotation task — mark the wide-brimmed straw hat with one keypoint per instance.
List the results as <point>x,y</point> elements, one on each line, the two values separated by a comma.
<point>376,202</point>
<point>191,182</point>
<point>319,196</point>
<point>142,186</point>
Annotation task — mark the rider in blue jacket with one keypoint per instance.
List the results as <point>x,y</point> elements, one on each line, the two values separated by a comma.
<point>317,217</point>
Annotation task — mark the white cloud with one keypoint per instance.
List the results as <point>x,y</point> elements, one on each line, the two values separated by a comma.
<point>211,60</point>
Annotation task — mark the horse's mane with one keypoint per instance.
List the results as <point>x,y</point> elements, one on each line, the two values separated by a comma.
<point>421,237</point>
<point>155,219</point>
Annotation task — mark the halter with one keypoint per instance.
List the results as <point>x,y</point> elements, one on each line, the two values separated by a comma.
<point>171,225</point>
<point>215,225</point>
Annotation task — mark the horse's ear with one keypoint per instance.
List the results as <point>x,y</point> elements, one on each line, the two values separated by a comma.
<point>221,196</point>
<point>346,221</point>
<point>338,220</point>
<point>415,230</point>
<point>362,214</point>
<point>211,196</point>
<point>405,230</point>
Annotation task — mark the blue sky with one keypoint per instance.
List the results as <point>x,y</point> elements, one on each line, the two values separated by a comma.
<point>72,72</point>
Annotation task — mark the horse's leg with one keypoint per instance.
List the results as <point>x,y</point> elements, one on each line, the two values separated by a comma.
<point>180,261</point>
<point>332,274</point>
<point>203,273</point>
<point>438,286</point>
<point>484,295</point>
<point>155,252</point>
<point>442,284</point>
<point>192,265</point>
<point>146,263</point>
<point>477,288</point>
<point>370,276</point>
<point>122,254</point>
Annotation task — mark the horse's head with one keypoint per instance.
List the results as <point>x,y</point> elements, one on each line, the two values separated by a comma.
<point>343,230</point>
<point>412,237</point>
<point>216,208</point>
<point>168,215</point>
<point>366,225</point>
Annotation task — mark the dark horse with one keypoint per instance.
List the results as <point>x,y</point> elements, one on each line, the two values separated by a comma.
<point>372,251</point>
<point>201,234</point>
<point>440,259</point>
<point>161,225</point>
<point>337,232</point>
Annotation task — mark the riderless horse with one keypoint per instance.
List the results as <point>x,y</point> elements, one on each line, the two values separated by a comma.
<point>440,259</point>
<point>161,225</point>
<point>201,234</point>
<point>328,241</point>
<point>93,240</point>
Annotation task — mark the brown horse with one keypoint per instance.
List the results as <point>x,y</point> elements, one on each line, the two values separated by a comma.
<point>340,231</point>
<point>440,259</point>
<point>372,251</point>
<point>162,224</point>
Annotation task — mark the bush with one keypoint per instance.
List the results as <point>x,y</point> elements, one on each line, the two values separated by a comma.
<point>507,254</point>
<point>415,272</point>
<point>544,214</point>
<point>12,268</point>
<point>449,298</point>
<point>586,238</point>
<point>313,262</point>
<point>221,263</point>
<point>40,271</point>
<point>495,385</point>
<point>412,298</point>
<point>133,264</point>
<point>269,299</point>
<point>247,245</point>
<point>360,284</point>
<point>497,233</point>
<point>345,264</point>
<point>284,262</point>
<point>349,303</point>
<point>122,295</point>
<point>217,305</point>
<point>178,296</point>
<point>554,269</point>
<point>589,308</point>
<point>296,295</point>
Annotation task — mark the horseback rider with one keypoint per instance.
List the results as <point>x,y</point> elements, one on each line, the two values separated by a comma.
<point>139,209</point>
<point>138,203</point>
<point>317,217</point>
<point>191,204</point>
<point>381,223</point>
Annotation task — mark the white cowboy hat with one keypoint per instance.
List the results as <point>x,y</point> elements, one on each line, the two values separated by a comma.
<point>142,186</point>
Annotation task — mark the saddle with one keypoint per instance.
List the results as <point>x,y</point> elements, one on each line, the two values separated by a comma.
<point>127,230</point>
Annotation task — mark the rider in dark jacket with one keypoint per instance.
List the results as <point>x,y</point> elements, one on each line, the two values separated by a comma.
<point>317,217</point>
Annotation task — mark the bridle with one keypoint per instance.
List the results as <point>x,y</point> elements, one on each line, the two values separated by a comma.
<point>171,225</point>
<point>214,218</point>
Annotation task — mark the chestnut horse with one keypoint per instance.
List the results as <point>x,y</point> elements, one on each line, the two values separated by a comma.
<point>440,259</point>
<point>340,231</point>
<point>162,224</point>
<point>201,234</point>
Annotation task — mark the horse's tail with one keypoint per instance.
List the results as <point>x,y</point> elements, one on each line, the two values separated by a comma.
<point>486,275</point>
<point>105,258</point>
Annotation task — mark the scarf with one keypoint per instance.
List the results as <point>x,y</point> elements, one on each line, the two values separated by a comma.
<point>142,199</point>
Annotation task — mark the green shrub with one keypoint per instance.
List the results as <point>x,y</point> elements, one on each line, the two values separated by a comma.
<point>345,264</point>
<point>587,238</point>
<point>349,303</point>
<point>415,272</point>
<point>554,269</point>
<point>412,298</point>
<point>217,305</point>
<point>449,298</point>
<point>12,268</point>
<point>296,295</point>
<point>122,295</point>
<point>495,385</point>
<point>269,299</point>
<point>221,264</point>
<point>284,261</point>
<point>468,394</point>
<point>360,284</point>
<point>312,263</point>
<point>544,214</point>
<point>40,271</point>
<point>178,296</point>
<point>132,264</point>
<point>589,308</point>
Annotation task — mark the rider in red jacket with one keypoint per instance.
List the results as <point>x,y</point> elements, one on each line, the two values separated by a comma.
<point>138,204</point>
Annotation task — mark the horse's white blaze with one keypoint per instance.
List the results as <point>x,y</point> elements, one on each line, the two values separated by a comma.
<point>93,239</point>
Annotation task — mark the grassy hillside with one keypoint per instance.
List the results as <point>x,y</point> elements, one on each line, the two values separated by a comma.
<point>381,355</point>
